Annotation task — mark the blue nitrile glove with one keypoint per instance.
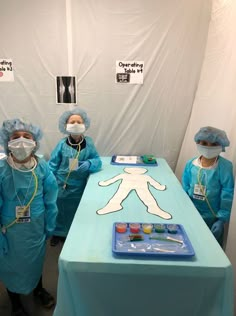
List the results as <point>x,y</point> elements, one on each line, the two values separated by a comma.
<point>3,245</point>
<point>217,229</point>
<point>83,166</point>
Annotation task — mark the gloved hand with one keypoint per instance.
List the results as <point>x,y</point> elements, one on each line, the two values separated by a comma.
<point>83,166</point>
<point>217,229</point>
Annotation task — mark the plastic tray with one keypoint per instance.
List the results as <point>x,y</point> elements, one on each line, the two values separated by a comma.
<point>174,244</point>
<point>133,161</point>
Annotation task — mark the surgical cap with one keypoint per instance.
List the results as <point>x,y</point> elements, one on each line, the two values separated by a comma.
<point>10,126</point>
<point>212,135</point>
<point>65,116</point>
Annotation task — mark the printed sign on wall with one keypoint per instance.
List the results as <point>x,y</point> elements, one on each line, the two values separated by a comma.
<point>129,72</point>
<point>6,70</point>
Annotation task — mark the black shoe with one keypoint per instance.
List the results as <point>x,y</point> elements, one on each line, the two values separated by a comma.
<point>19,312</point>
<point>54,241</point>
<point>62,239</point>
<point>45,298</point>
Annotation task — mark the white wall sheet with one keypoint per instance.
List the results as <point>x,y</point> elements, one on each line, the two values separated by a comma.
<point>33,33</point>
<point>169,36</point>
<point>215,98</point>
<point>214,104</point>
<point>84,38</point>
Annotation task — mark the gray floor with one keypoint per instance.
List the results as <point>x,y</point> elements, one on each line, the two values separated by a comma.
<point>50,276</point>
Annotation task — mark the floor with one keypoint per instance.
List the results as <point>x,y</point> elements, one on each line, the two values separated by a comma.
<point>50,276</point>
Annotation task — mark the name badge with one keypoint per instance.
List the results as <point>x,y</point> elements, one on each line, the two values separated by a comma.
<point>73,164</point>
<point>22,214</point>
<point>199,192</point>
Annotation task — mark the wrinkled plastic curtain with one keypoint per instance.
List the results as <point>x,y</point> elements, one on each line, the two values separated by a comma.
<point>84,38</point>
<point>33,35</point>
<point>215,102</point>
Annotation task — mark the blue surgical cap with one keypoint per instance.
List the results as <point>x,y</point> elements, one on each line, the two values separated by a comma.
<point>65,116</point>
<point>212,135</point>
<point>10,126</point>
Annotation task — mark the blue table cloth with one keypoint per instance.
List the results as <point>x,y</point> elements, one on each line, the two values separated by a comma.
<point>92,282</point>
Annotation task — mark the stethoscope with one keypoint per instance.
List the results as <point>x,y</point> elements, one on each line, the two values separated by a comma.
<point>202,190</point>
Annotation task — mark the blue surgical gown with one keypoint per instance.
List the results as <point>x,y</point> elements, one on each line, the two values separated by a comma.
<point>69,198</point>
<point>219,184</point>
<point>21,268</point>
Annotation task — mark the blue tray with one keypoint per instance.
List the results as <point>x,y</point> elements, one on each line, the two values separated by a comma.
<point>171,243</point>
<point>139,162</point>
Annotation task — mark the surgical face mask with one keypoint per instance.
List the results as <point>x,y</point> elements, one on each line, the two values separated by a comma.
<point>209,151</point>
<point>75,128</point>
<point>21,148</point>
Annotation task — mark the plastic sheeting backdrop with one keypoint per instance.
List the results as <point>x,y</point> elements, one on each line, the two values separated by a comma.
<point>53,38</point>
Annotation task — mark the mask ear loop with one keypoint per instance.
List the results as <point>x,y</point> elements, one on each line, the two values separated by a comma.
<point>204,194</point>
<point>4,228</point>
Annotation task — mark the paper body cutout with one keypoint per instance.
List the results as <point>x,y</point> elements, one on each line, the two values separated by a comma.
<point>134,179</point>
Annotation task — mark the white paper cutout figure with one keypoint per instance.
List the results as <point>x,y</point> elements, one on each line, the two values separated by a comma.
<point>134,179</point>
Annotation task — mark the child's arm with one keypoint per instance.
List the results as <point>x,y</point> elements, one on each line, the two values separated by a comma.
<point>3,240</point>
<point>186,177</point>
<point>50,190</point>
<point>226,197</point>
<point>93,156</point>
<point>2,168</point>
<point>227,191</point>
<point>55,159</point>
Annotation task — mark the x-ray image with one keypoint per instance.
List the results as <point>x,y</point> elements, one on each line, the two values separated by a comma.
<point>66,89</point>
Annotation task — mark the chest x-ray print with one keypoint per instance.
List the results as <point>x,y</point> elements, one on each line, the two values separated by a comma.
<point>134,179</point>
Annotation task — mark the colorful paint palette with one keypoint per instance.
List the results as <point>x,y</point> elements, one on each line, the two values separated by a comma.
<point>151,240</point>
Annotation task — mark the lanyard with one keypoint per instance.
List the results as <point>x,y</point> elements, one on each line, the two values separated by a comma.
<point>4,228</point>
<point>73,163</point>
<point>22,204</point>
<point>204,193</point>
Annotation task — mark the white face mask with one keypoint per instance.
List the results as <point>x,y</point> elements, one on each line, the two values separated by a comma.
<point>75,128</point>
<point>209,151</point>
<point>21,148</point>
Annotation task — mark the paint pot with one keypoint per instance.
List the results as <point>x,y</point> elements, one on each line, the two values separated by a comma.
<point>121,227</point>
<point>134,227</point>
<point>159,228</point>
<point>147,228</point>
<point>172,228</point>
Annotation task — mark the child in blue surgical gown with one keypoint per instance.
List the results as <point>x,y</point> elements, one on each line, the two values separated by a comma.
<point>72,160</point>
<point>28,210</point>
<point>208,180</point>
